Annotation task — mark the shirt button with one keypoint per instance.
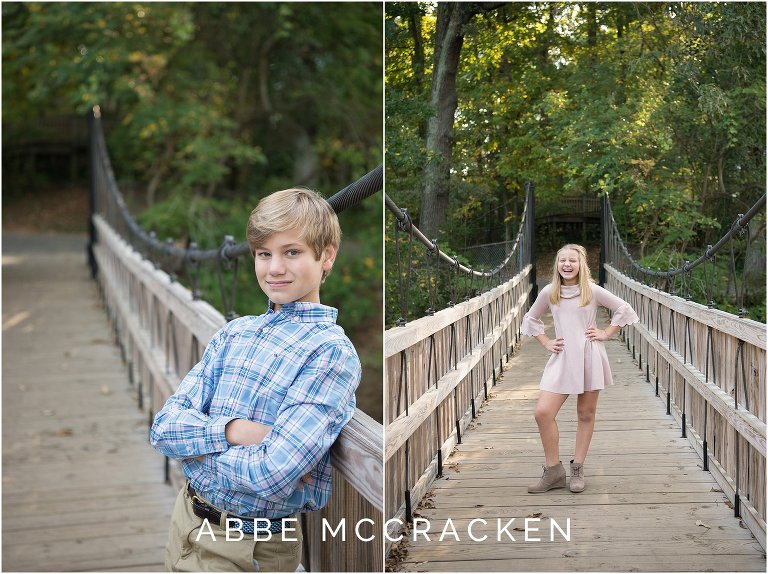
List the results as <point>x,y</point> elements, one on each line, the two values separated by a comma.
<point>295,319</point>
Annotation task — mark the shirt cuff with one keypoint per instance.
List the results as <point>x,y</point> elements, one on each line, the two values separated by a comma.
<point>532,327</point>
<point>624,316</point>
<point>215,435</point>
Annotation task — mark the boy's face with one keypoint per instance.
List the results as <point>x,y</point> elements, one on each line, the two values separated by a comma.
<point>287,270</point>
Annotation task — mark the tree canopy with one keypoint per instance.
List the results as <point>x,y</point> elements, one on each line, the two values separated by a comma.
<point>206,98</point>
<point>661,105</point>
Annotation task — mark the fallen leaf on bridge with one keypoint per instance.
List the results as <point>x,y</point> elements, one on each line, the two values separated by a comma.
<point>700,523</point>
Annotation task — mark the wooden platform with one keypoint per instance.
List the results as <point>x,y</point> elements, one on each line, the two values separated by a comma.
<point>82,488</point>
<point>648,505</point>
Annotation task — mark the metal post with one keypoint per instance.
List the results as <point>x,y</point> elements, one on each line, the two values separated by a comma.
<point>531,215</point>
<point>603,244</point>
<point>92,174</point>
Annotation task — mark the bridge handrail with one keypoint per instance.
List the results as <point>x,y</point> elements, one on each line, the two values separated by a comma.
<point>403,427</point>
<point>437,368</point>
<point>710,366</point>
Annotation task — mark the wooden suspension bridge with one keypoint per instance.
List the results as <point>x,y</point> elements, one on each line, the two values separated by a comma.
<point>676,470</point>
<point>86,366</point>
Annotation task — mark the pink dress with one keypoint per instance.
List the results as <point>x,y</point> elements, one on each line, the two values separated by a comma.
<point>582,365</point>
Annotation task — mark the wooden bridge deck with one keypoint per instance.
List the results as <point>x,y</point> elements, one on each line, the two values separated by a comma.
<point>82,488</point>
<point>648,505</point>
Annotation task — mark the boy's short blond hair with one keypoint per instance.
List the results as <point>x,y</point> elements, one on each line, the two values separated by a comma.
<point>294,208</point>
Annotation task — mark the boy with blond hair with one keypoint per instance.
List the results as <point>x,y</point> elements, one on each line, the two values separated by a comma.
<point>254,420</point>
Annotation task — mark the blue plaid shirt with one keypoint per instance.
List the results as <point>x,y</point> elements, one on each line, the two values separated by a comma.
<point>294,370</point>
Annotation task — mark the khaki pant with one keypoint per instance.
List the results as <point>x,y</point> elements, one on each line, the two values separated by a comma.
<point>189,550</point>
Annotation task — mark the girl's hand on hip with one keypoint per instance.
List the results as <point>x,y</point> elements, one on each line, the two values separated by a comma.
<point>555,345</point>
<point>595,334</point>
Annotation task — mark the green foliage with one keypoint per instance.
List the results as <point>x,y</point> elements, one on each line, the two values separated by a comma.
<point>659,105</point>
<point>718,274</point>
<point>220,100</point>
<point>209,107</point>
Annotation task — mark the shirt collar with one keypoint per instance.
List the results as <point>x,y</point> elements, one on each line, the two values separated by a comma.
<point>306,312</point>
<point>569,291</point>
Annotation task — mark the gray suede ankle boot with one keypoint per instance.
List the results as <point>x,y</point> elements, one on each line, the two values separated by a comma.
<point>577,477</point>
<point>553,477</point>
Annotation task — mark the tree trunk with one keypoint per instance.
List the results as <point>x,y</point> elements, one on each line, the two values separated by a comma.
<point>417,61</point>
<point>592,26</point>
<point>305,159</point>
<point>159,170</point>
<point>449,37</point>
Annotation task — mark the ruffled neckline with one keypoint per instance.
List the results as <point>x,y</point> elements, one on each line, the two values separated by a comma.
<point>569,291</point>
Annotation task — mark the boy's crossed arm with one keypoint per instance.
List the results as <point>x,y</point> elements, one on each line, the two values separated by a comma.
<point>252,457</point>
<point>318,404</point>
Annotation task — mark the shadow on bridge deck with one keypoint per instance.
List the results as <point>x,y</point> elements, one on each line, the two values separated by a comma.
<point>82,488</point>
<point>648,505</point>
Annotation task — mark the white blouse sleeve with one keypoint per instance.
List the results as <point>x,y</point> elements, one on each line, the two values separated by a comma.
<point>623,313</point>
<point>532,326</point>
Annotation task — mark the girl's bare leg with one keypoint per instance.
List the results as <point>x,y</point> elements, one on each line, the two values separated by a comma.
<point>585,407</point>
<point>546,410</point>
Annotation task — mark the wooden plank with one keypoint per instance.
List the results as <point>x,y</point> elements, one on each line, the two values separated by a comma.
<point>648,563</point>
<point>357,455</point>
<point>649,516</point>
<point>519,549</point>
<point>70,450</point>
<point>747,330</point>
<point>645,522</point>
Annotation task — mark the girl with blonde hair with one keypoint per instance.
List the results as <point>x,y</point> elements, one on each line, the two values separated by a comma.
<point>578,365</point>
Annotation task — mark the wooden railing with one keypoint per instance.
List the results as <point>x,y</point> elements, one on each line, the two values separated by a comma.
<point>163,332</point>
<point>437,368</point>
<point>710,368</point>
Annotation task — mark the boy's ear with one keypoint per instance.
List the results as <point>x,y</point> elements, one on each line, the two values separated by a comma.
<point>328,257</point>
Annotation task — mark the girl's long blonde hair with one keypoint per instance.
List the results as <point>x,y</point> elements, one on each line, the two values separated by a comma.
<point>585,276</point>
